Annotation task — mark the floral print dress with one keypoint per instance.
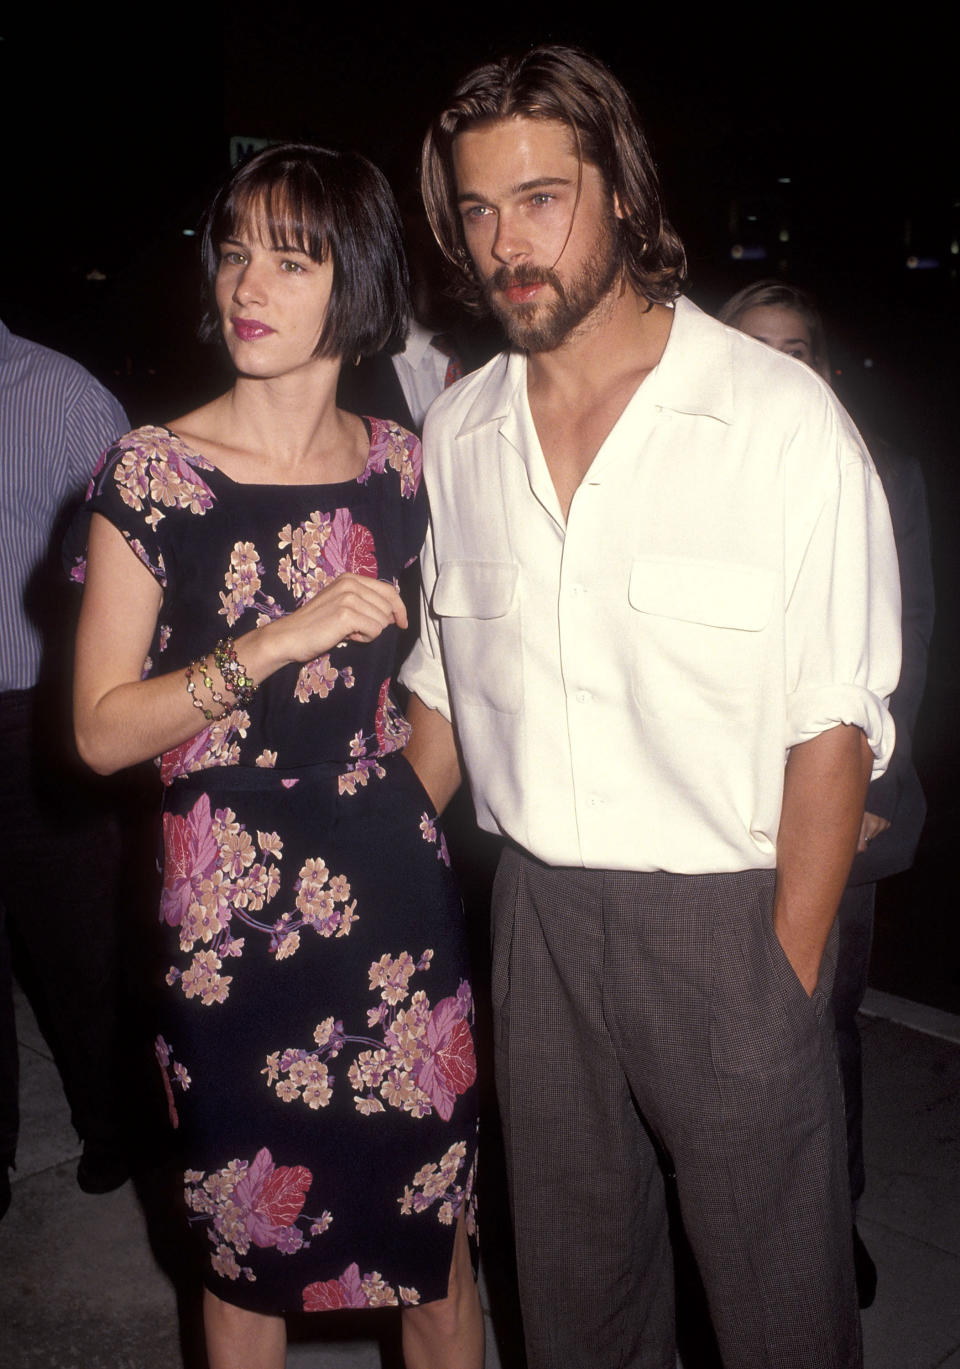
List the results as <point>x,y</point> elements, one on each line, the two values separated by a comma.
<point>316,1043</point>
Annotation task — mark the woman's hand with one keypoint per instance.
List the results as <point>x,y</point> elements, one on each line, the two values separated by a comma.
<point>353,608</point>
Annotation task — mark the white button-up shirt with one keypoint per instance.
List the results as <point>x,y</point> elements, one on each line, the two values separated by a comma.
<point>421,370</point>
<point>626,686</point>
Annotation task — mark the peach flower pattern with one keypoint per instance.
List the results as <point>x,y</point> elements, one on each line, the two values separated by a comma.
<point>216,874</point>
<point>437,1183</point>
<point>423,1060</point>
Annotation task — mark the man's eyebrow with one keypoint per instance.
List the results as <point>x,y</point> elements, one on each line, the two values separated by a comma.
<point>521,188</point>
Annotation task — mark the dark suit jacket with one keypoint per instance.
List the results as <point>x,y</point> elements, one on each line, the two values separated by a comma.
<point>372,388</point>
<point>897,795</point>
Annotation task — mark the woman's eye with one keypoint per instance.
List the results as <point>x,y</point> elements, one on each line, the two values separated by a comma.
<point>292,267</point>
<point>232,258</point>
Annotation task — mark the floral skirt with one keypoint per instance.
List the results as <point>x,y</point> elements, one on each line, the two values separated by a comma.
<point>316,1044</point>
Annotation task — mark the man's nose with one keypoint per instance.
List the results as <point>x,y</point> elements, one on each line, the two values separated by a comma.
<point>510,243</point>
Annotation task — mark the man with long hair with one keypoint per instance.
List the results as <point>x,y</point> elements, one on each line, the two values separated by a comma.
<point>650,630</point>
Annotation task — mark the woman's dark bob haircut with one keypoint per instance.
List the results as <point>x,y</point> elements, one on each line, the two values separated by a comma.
<point>571,87</point>
<point>321,203</point>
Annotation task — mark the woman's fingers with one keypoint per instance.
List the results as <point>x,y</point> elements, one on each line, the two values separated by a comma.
<point>354,607</point>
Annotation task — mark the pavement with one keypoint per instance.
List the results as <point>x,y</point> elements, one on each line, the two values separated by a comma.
<point>90,1282</point>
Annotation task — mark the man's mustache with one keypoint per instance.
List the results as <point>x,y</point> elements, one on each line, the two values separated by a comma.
<point>506,277</point>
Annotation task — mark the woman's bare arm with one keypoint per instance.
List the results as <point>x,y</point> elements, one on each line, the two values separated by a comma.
<point>121,719</point>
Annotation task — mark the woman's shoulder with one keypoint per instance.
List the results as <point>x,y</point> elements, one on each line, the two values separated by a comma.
<point>152,469</point>
<point>160,442</point>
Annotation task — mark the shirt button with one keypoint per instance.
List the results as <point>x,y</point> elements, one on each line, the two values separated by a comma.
<point>594,801</point>
<point>577,589</point>
<point>583,696</point>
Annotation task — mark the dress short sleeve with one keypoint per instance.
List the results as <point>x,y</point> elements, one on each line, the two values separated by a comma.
<point>144,476</point>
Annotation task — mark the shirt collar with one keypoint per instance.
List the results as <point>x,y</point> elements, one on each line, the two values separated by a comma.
<point>418,340</point>
<point>6,338</point>
<point>694,375</point>
<point>495,397</point>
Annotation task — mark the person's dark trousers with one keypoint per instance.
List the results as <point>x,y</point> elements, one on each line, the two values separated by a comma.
<point>855,924</point>
<point>58,890</point>
<point>636,1006</point>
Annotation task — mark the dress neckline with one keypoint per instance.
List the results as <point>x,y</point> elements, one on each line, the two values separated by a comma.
<point>368,423</point>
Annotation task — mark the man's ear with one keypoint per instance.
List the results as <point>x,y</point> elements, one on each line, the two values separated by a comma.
<point>617,207</point>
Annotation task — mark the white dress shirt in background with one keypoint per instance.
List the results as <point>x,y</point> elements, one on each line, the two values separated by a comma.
<point>421,370</point>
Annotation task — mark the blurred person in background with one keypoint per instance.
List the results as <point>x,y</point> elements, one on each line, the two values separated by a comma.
<point>786,318</point>
<point>58,887</point>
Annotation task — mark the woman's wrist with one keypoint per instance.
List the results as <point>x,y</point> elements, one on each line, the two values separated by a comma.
<point>222,680</point>
<point>261,650</point>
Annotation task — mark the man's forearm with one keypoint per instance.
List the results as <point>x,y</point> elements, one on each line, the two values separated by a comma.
<point>823,799</point>
<point>432,751</point>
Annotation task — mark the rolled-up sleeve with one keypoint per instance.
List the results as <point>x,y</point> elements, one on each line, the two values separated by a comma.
<point>843,611</point>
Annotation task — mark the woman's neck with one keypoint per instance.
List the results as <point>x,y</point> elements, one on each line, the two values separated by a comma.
<point>286,430</point>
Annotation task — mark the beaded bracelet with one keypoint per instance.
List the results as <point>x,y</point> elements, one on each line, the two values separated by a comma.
<point>208,713</point>
<point>235,676</point>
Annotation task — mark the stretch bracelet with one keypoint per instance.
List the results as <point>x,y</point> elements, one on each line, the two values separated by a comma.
<point>197,702</point>
<point>235,676</point>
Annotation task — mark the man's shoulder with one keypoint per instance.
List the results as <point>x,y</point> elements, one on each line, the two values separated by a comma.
<point>53,376</point>
<point>752,365</point>
<point>33,358</point>
<point>480,397</point>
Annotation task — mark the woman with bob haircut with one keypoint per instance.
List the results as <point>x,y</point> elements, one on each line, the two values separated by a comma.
<point>239,622</point>
<point>568,86</point>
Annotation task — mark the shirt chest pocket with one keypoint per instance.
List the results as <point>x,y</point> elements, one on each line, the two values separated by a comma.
<point>477,605</point>
<point>700,641</point>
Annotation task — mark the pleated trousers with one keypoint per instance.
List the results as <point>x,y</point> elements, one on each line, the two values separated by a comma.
<point>644,1019</point>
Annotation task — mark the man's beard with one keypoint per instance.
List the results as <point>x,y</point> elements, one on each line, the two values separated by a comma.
<point>540,326</point>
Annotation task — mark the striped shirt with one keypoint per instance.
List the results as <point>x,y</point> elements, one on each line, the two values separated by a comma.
<point>55,420</point>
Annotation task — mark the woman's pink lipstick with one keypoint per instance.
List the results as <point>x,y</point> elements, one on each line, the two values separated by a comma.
<point>247,329</point>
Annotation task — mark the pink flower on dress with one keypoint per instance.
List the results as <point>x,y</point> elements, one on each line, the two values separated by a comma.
<point>349,547</point>
<point>172,1113</point>
<point>392,729</point>
<point>179,760</point>
<point>449,1066</point>
<point>273,1197</point>
<point>332,1294</point>
<point>190,853</point>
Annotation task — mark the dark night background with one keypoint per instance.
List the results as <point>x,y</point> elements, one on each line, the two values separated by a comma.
<point>118,126</point>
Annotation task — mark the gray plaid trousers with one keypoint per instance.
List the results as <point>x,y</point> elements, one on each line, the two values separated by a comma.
<point>629,1006</point>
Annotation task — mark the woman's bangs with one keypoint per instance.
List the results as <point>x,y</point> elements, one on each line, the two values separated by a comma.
<point>278,212</point>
